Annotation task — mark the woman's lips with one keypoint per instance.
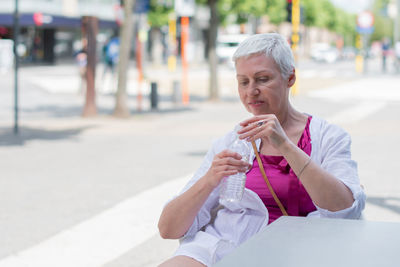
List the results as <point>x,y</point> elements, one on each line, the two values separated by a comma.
<point>256,103</point>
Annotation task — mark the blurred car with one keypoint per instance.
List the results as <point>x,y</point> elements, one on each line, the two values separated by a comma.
<point>348,53</point>
<point>227,45</point>
<point>6,55</point>
<point>323,52</point>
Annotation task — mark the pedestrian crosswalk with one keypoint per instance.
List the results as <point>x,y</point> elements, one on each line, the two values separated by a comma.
<point>103,238</point>
<point>328,73</point>
<point>363,89</point>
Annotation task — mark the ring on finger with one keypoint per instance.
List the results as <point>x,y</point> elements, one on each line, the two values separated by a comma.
<point>260,123</point>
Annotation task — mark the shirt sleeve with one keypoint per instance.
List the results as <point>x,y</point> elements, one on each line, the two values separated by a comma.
<point>203,217</point>
<point>335,158</point>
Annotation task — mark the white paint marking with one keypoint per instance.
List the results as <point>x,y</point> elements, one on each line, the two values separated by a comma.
<point>64,85</point>
<point>307,73</point>
<point>104,237</point>
<point>365,89</point>
<point>357,112</point>
<point>327,74</point>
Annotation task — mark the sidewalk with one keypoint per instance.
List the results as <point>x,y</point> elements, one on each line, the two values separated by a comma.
<point>56,90</point>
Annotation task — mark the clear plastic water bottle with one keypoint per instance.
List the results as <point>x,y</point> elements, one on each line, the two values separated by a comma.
<point>233,186</point>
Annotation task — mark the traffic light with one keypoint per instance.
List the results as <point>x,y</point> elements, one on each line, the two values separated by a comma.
<point>289,11</point>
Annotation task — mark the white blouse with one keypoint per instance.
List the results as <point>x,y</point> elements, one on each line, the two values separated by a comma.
<point>218,229</point>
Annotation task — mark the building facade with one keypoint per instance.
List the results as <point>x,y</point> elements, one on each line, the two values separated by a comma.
<point>51,29</point>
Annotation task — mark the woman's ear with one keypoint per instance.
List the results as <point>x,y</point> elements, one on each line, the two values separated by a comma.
<point>292,78</point>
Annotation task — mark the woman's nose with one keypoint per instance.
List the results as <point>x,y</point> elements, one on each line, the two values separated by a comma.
<point>252,89</point>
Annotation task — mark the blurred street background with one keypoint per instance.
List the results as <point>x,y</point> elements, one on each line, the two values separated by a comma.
<point>113,110</point>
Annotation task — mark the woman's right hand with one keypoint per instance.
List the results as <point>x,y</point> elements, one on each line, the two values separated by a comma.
<point>224,164</point>
<point>178,215</point>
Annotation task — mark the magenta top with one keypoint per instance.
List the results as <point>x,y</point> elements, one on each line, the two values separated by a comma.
<point>284,181</point>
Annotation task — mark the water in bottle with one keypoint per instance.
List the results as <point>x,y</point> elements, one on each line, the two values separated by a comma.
<point>233,186</point>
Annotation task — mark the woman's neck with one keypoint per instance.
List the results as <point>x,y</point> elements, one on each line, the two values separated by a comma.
<point>290,118</point>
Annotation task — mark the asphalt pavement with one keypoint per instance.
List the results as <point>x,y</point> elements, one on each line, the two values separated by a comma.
<point>88,191</point>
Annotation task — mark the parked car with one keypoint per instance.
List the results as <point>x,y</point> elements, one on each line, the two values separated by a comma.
<point>348,53</point>
<point>227,45</point>
<point>323,52</point>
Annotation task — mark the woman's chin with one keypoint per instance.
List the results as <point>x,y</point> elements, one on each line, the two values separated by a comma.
<point>256,111</point>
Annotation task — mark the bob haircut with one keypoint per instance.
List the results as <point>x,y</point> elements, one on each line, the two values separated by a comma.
<point>273,45</point>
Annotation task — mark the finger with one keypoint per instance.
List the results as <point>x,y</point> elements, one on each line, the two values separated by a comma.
<point>255,119</point>
<point>254,133</point>
<point>222,170</point>
<point>254,125</point>
<point>229,153</point>
<point>249,130</point>
<point>229,173</point>
<point>231,162</point>
<point>265,130</point>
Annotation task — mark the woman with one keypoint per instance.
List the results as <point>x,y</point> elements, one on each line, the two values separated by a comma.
<point>307,161</point>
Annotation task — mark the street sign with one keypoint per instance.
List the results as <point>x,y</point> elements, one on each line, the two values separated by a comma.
<point>142,6</point>
<point>39,19</point>
<point>6,55</point>
<point>365,22</point>
<point>365,19</point>
<point>185,8</point>
<point>365,30</point>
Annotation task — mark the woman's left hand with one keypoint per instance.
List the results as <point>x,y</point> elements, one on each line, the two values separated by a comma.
<point>267,127</point>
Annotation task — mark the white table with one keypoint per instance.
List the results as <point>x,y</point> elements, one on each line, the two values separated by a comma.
<point>312,242</point>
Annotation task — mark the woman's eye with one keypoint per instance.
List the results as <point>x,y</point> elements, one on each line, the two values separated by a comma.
<point>262,79</point>
<point>243,83</point>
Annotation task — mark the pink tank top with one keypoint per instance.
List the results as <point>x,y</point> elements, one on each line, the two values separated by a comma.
<point>284,181</point>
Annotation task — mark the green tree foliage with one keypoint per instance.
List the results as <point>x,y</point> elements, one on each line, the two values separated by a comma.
<point>346,26</point>
<point>383,24</point>
<point>159,12</point>
<point>345,22</point>
<point>323,14</point>
<point>320,13</point>
<point>276,10</point>
<point>243,9</point>
<point>310,12</point>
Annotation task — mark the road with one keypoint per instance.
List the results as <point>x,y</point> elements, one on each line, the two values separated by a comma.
<point>88,192</point>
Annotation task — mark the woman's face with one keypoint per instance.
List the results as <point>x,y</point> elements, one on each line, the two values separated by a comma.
<point>262,89</point>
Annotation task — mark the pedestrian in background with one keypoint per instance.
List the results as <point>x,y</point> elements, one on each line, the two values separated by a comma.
<point>81,60</point>
<point>385,52</point>
<point>307,160</point>
<point>397,56</point>
<point>110,61</point>
<point>111,53</point>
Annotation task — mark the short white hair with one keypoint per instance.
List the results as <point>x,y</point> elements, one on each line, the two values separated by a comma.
<point>273,45</point>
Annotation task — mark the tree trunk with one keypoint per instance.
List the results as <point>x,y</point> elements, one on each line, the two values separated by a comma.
<point>90,28</point>
<point>212,54</point>
<point>156,46</point>
<point>126,30</point>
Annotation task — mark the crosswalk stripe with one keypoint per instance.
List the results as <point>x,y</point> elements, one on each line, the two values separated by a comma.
<point>103,238</point>
<point>357,113</point>
<point>365,89</point>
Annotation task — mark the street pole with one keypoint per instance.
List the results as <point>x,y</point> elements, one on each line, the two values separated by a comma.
<point>359,57</point>
<point>16,59</point>
<point>397,36</point>
<point>295,36</point>
<point>172,43</point>
<point>139,61</point>
<point>185,65</point>
<point>396,23</point>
